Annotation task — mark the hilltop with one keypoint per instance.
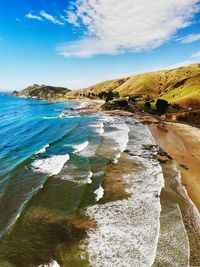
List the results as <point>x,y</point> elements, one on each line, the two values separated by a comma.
<point>45,92</point>
<point>177,86</point>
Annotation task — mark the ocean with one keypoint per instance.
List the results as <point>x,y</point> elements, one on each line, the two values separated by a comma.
<point>77,190</point>
<point>35,143</point>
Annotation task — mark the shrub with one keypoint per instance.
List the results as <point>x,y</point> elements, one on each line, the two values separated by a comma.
<point>116,104</point>
<point>108,96</point>
<point>147,105</point>
<point>161,106</point>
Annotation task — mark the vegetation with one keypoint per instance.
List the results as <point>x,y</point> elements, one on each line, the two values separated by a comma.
<point>170,93</point>
<point>108,96</point>
<point>177,86</point>
<point>192,117</point>
<point>161,106</point>
<point>116,104</point>
<point>42,92</point>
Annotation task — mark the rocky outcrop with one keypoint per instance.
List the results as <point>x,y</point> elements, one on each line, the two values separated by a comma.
<point>44,92</point>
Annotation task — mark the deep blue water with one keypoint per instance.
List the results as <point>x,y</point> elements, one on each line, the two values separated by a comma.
<point>26,126</point>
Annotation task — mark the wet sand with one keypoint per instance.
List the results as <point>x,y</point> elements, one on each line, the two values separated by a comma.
<point>182,143</point>
<point>182,181</point>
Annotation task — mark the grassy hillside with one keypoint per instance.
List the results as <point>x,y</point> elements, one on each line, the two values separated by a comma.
<point>45,92</point>
<point>181,85</point>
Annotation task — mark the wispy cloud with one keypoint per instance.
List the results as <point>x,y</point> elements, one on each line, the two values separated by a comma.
<point>196,55</point>
<point>43,15</point>
<point>71,18</point>
<point>31,16</point>
<point>51,18</point>
<point>193,58</point>
<point>114,27</point>
<point>190,38</point>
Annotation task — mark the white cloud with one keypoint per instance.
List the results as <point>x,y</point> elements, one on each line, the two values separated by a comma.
<point>194,58</point>
<point>31,16</point>
<point>113,27</point>
<point>190,38</point>
<point>50,18</point>
<point>196,55</point>
<point>71,18</point>
<point>85,48</point>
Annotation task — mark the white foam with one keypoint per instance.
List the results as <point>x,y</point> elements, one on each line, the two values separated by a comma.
<point>99,193</point>
<point>65,115</point>
<point>116,159</point>
<point>119,134</point>
<point>99,127</point>
<point>128,229</point>
<point>82,105</point>
<point>42,150</point>
<point>49,118</point>
<point>62,115</point>
<point>196,214</point>
<point>52,264</point>
<point>90,150</point>
<point>52,165</point>
<point>173,246</point>
<point>89,181</point>
<point>80,147</point>
<point>121,137</point>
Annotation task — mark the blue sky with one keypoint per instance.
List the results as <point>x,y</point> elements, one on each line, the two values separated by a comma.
<point>78,43</point>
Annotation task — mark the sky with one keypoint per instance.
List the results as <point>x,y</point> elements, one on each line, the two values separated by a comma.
<point>81,42</point>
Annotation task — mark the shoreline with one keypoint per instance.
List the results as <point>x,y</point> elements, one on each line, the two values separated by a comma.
<point>180,166</point>
<point>179,140</point>
<point>182,143</point>
<point>178,239</point>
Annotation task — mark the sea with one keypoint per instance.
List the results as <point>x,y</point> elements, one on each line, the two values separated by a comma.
<point>77,190</point>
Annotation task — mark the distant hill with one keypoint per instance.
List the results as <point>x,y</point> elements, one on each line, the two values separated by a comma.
<point>181,86</point>
<point>45,92</point>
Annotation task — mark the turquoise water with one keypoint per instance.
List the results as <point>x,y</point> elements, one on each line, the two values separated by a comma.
<point>27,126</point>
<point>79,190</point>
<point>53,162</point>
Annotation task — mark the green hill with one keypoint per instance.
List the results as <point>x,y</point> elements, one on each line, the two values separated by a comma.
<point>45,92</point>
<point>181,85</point>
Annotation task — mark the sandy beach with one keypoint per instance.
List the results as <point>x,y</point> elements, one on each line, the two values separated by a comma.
<point>182,143</point>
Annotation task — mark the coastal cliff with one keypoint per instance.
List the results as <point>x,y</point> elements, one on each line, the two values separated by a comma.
<point>44,92</point>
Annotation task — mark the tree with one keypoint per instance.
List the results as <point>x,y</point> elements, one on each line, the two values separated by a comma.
<point>147,105</point>
<point>110,96</point>
<point>161,106</point>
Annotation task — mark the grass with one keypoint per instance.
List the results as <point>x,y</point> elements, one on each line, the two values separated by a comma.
<point>181,85</point>
<point>187,92</point>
